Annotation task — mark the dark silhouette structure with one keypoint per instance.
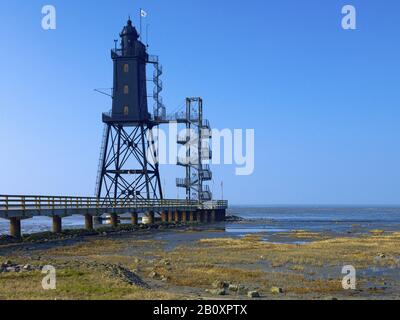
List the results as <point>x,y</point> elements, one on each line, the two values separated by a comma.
<point>128,168</point>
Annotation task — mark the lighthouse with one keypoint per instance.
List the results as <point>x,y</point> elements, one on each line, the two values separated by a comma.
<point>128,168</point>
<point>130,83</point>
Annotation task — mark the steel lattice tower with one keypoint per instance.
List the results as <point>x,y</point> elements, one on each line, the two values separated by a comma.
<point>197,132</point>
<point>128,168</point>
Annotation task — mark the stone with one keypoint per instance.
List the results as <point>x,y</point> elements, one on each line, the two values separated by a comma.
<point>165,278</point>
<point>276,290</point>
<point>331,298</point>
<point>217,292</point>
<point>242,290</point>
<point>27,267</point>
<point>233,287</point>
<point>154,275</point>
<point>253,294</point>
<point>11,269</point>
<point>218,284</point>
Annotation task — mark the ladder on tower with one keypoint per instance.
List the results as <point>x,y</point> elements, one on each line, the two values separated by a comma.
<point>101,160</point>
<point>159,108</point>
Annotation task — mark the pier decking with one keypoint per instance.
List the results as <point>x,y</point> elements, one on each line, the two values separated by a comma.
<point>17,208</point>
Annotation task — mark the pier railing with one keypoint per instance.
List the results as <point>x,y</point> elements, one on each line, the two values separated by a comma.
<point>42,205</point>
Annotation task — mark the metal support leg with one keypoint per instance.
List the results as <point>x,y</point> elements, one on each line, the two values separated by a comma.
<point>114,220</point>
<point>213,216</point>
<point>204,217</point>
<point>191,217</point>
<point>88,222</point>
<point>164,217</point>
<point>134,219</point>
<point>57,224</point>
<point>184,217</point>
<point>15,228</point>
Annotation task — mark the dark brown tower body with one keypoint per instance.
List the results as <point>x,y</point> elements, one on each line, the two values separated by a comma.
<point>128,169</point>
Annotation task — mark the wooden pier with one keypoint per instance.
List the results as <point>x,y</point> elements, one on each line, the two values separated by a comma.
<point>18,208</point>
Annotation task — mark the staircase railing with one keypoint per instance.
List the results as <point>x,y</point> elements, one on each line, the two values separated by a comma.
<point>101,160</point>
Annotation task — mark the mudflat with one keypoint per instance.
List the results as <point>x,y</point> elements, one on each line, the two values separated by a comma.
<point>203,262</point>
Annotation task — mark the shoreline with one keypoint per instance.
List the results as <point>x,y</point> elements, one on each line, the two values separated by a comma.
<point>204,262</point>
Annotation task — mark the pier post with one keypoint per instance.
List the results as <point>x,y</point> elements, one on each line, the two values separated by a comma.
<point>213,216</point>
<point>164,218</point>
<point>15,228</point>
<point>150,216</point>
<point>88,222</point>
<point>176,216</point>
<point>184,217</point>
<point>134,219</point>
<point>57,224</point>
<point>191,217</point>
<point>198,216</point>
<point>114,220</point>
<point>170,217</point>
<point>204,217</point>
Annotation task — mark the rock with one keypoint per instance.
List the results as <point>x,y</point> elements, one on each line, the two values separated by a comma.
<point>276,290</point>
<point>253,294</point>
<point>239,289</point>
<point>165,278</point>
<point>126,275</point>
<point>242,290</point>
<point>218,284</point>
<point>154,275</point>
<point>233,287</point>
<point>217,292</point>
<point>11,269</point>
<point>331,298</point>
<point>27,267</point>
<point>233,218</point>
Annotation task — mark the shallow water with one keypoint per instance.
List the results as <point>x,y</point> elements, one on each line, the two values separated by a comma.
<point>269,220</point>
<point>334,220</point>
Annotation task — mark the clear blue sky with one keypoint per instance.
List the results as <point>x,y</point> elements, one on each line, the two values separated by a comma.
<point>324,102</point>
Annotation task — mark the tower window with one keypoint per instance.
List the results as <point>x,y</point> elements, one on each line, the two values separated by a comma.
<point>126,89</point>
<point>126,68</point>
<point>126,110</point>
